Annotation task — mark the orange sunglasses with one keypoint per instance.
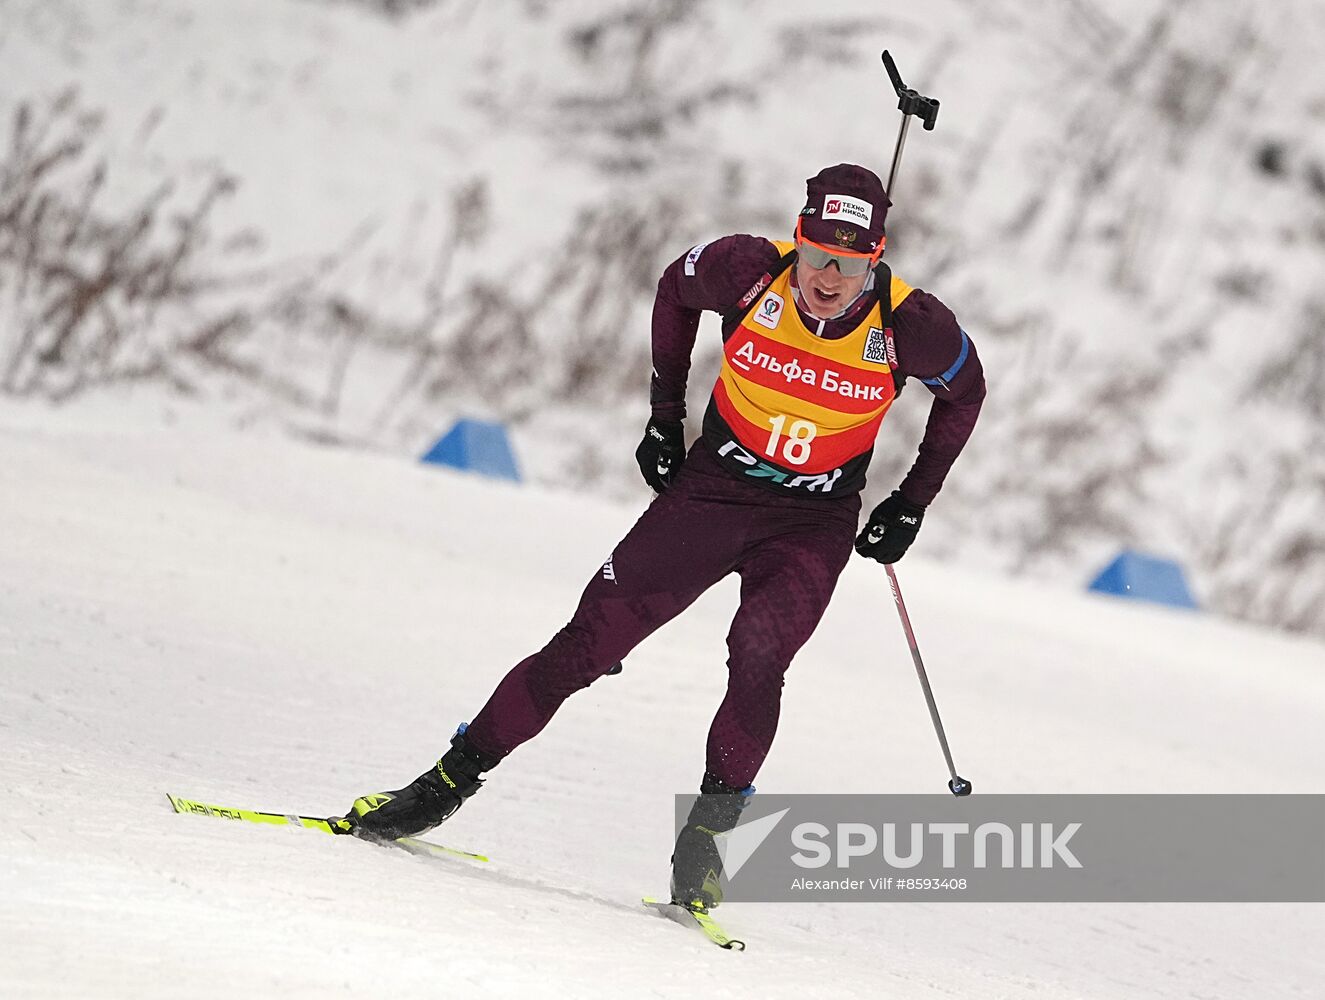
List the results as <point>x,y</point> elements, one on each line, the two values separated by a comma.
<point>851,263</point>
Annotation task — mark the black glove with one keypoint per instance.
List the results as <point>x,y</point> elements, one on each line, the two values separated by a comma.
<point>661,452</point>
<point>892,527</point>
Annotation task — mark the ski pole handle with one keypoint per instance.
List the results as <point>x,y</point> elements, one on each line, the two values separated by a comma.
<point>911,102</point>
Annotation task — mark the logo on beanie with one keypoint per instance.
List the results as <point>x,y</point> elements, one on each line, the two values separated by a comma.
<point>844,208</point>
<point>845,237</point>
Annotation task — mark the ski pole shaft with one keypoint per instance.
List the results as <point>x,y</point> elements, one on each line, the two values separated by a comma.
<point>958,785</point>
<point>897,156</point>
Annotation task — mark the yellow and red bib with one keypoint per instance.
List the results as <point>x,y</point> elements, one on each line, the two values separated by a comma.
<point>796,412</point>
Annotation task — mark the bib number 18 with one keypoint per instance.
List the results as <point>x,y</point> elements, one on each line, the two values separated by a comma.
<point>798,437</point>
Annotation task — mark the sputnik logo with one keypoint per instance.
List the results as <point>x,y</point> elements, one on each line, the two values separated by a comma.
<point>736,847</point>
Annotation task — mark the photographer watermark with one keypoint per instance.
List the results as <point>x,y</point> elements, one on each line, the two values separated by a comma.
<point>1124,848</point>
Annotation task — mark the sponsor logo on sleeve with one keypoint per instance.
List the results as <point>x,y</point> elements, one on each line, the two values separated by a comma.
<point>844,208</point>
<point>755,289</point>
<point>769,311</point>
<point>692,258</point>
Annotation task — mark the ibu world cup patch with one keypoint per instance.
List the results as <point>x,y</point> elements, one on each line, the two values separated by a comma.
<point>879,347</point>
<point>768,312</point>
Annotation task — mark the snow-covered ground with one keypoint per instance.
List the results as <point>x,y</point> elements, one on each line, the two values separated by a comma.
<point>253,621</point>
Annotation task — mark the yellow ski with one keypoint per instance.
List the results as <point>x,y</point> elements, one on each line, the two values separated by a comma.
<point>691,917</point>
<point>332,824</point>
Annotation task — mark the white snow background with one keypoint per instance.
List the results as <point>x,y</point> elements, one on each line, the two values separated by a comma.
<point>463,210</point>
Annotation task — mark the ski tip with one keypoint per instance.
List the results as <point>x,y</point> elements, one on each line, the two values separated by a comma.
<point>416,846</point>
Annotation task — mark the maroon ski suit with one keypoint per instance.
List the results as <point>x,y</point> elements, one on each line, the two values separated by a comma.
<point>787,548</point>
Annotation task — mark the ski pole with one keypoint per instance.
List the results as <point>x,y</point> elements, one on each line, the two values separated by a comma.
<point>958,785</point>
<point>909,102</point>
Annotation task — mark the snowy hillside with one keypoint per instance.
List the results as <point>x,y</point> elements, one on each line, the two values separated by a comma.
<point>311,216</point>
<point>263,623</point>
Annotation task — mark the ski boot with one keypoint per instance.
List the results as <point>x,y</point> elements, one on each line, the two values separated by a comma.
<point>427,800</point>
<point>696,863</point>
